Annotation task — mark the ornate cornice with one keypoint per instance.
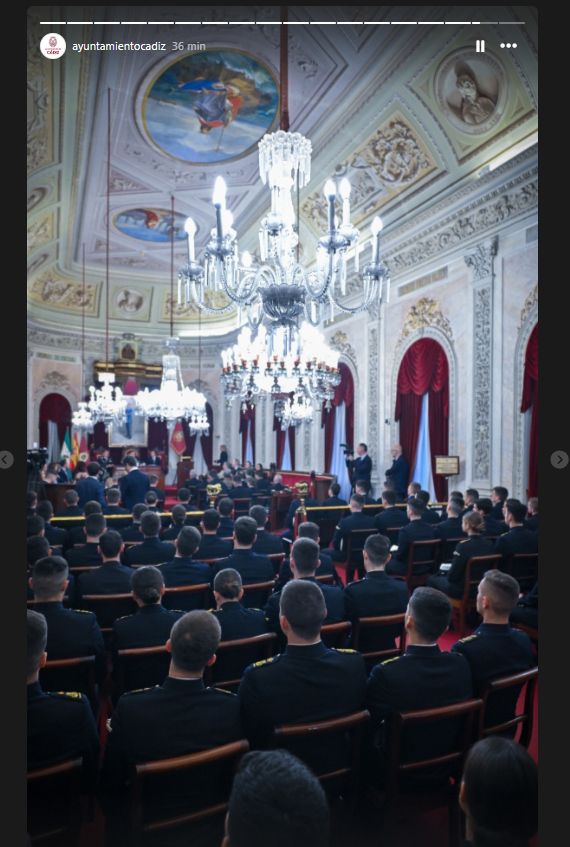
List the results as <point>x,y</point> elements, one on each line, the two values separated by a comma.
<point>481,259</point>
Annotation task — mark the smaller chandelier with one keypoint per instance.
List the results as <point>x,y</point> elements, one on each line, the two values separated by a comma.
<point>107,404</point>
<point>295,411</point>
<point>82,418</point>
<point>173,400</point>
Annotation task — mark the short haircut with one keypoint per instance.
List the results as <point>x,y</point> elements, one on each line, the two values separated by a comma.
<point>37,547</point>
<point>473,493</point>
<point>228,583</point>
<point>502,589</point>
<point>150,524</point>
<point>48,576</point>
<point>424,496</point>
<point>485,505</point>
<point>245,530</point>
<point>151,497</point>
<point>378,549</point>
<point>455,507</point>
<point>138,511</point>
<point>362,444</point>
<point>92,507</point>
<point>415,486</point>
<point>277,800</point>
<point>358,499</point>
<point>188,540</point>
<point>305,553</point>
<point>431,611</point>
<point>334,489</point>
<point>501,792</point>
<point>533,504</point>
<point>211,520</point>
<point>226,507</point>
<point>31,499</point>
<point>95,525</point>
<point>259,515</point>
<point>516,509</point>
<point>113,496</point>
<point>308,529</point>
<point>35,525</point>
<point>110,544</point>
<point>184,494</point>
<point>178,514</point>
<point>130,461</point>
<point>456,495</point>
<point>147,583</point>
<point>71,497</point>
<point>474,521</point>
<point>93,468</point>
<point>389,497</point>
<point>501,492</point>
<point>45,510</point>
<point>36,640</point>
<point>363,485</point>
<point>303,604</point>
<point>416,507</point>
<point>194,639</point>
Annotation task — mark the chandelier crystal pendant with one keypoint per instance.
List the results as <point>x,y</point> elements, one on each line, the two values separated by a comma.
<point>297,410</point>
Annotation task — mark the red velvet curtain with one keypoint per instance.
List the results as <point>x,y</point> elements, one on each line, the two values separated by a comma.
<point>244,418</point>
<point>424,369</point>
<point>344,392</point>
<point>530,401</point>
<point>54,407</point>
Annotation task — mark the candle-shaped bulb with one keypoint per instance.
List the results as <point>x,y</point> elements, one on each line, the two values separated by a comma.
<point>246,259</point>
<point>219,195</point>
<point>330,189</point>
<point>344,188</point>
<point>376,225</point>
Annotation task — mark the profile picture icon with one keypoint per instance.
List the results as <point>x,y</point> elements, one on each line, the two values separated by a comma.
<point>52,45</point>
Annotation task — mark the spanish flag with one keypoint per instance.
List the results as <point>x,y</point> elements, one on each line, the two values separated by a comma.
<point>177,440</point>
<point>74,458</point>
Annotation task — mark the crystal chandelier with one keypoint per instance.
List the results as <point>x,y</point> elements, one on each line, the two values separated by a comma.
<point>295,411</point>
<point>107,403</point>
<point>82,418</point>
<point>269,363</point>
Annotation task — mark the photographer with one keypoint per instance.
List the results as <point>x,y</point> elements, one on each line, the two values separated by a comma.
<point>359,469</point>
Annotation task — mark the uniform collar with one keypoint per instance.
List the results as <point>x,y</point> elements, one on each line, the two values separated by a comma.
<point>155,609</point>
<point>230,606</point>
<point>309,651</point>
<point>376,575</point>
<point>493,628</point>
<point>48,605</point>
<point>422,650</point>
<point>34,690</point>
<point>188,686</point>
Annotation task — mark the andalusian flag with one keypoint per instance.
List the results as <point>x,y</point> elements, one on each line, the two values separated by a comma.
<point>66,446</point>
<point>177,440</point>
<point>83,449</point>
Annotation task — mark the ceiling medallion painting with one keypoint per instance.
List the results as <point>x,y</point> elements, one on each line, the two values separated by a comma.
<point>212,106</point>
<point>150,224</point>
<point>471,91</point>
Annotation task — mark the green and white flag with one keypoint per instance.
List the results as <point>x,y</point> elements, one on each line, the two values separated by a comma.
<point>66,446</point>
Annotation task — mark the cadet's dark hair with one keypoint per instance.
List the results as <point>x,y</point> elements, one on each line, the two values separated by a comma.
<point>183,494</point>
<point>110,544</point>
<point>45,510</point>
<point>194,639</point>
<point>31,498</point>
<point>516,509</point>
<point>378,549</point>
<point>423,496</point>
<point>178,514</point>
<point>484,505</point>
<point>245,530</point>
<point>389,497</point>
<point>501,793</point>
<point>416,506</point>
<point>259,515</point>
<point>501,492</point>
<point>36,640</point>
<point>188,540</point>
<point>138,511</point>
<point>334,489</point>
<point>303,604</point>
<point>277,800</point>
<point>358,499</point>
<point>226,507</point>
<point>502,589</point>
<point>308,529</point>
<point>472,492</point>
<point>37,547</point>
<point>95,525</point>
<point>71,497</point>
<point>130,461</point>
<point>92,507</point>
<point>93,468</point>
<point>363,485</point>
<point>48,576</point>
<point>228,583</point>
<point>415,486</point>
<point>35,524</point>
<point>113,496</point>
<point>455,506</point>
<point>431,611</point>
<point>150,524</point>
<point>151,497</point>
<point>305,554</point>
<point>211,519</point>
<point>147,583</point>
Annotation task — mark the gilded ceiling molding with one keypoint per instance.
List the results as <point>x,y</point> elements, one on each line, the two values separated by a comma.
<point>425,313</point>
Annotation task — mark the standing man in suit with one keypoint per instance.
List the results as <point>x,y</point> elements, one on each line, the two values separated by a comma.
<point>134,484</point>
<point>90,488</point>
<point>399,473</point>
<point>360,469</point>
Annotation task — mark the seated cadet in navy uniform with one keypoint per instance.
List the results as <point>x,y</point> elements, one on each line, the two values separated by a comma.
<point>71,509</point>
<point>133,531</point>
<point>362,488</point>
<point>304,561</point>
<point>251,566</point>
<point>390,516</point>
<point>293,506</point>
<point>88,553</point>
<point>153,505</point>
<point>179,717</point>
<point>71,632</point>
<point>492,525</point>
<point>265,542</point>
<point>211,545</point>
<point>531,520</point>
<point>225,510</point>
<point>32,502</point>
<point>499,496</point>
<point>526,610</point>
<point>153,482</point>
<point>112,507</point>
<point>150,625</point>
<point>450,526</point>
<point>471,497</point>
<point>376,594</point>
<point>77,532</point>
<point>60,724</point>
<point>476,544</point>
<point>152,551</point>
<point>430,516</point>
<point>235,620</point>
<point>184,569</point>
<point>518,539</point>
<point>358,519</point>
<point>178,520</point>
<point>416,530</point>
<point>423,677</point>
<point>333,499</point>
<point>308,529</point>
<point>307,682</point>
<point>276,800</point>
<point>112,577</point>
<point>496,649</point>
<point>56,536</point>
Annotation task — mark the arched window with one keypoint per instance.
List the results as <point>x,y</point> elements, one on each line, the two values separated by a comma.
<point>422,408</point>
<point>530,402</point>
<point>54,407</point>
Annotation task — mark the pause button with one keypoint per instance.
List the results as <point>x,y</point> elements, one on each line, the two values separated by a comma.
<point>480,46</point>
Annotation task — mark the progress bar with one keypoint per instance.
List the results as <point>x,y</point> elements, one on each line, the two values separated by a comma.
<point>283,23</point>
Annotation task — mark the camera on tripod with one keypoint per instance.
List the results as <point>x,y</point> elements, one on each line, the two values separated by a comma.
<point>36,458</point>
<point>346,449</point>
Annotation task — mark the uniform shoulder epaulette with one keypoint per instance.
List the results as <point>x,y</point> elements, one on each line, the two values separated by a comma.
<point>393,659</point>
<point>467,638</point>
<point>344,650</point>
<point>82,611</point>
<point>72,695</point>
<point>254,609</point>
<point>463,540</point>
<point>223,691</point>
<point>214,611</point>
<point>263,662</point>
<point>140,690</point>
<point>123,618</point>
